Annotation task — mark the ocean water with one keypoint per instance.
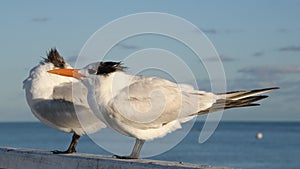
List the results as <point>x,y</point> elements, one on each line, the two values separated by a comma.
<point>233,144</point>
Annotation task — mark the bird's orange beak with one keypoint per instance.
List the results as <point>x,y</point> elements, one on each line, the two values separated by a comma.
<point>67,72</point>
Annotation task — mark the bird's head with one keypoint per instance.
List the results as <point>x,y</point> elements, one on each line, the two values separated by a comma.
<point>97,68</point>
<point>106,68</point>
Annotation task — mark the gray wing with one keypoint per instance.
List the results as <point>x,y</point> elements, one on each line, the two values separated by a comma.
<point>56,112</point>
<point>68,107</point>
<point>74,92</point>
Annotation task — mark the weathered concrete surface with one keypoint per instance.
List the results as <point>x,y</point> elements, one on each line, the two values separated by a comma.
<point>14,158</point>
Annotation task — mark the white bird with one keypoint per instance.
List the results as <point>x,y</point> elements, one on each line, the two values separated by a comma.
<point>51,100</point>
<point>150,107</point>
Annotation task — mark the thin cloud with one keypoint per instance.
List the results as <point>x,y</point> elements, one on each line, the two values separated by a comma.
<point>258,54</point>
<point>42,19</point>
<point>291,90</point>
<point>288,30</point>
<point>269,76</point>
<point>222,57</point>
<point>247,83</point>
<point>270,70</point>
<point>291,48</point>
<point>230,31</point>
<point>213,31</point>
<point>283,30</point>
<point>127,46</point>
<point>265,75</point>
<point>210,31</point>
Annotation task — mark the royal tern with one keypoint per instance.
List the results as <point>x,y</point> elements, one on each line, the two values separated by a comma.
<point>150,107</point>
<point>51,100</point>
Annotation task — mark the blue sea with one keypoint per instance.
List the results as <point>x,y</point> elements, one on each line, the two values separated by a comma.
<point>233,144</point>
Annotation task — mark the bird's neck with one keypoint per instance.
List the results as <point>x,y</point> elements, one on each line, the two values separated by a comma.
<point>111,84</point>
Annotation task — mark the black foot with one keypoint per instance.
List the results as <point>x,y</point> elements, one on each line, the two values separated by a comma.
<point>72,147</point>
<point>124,157</point>
<point>63,152</point>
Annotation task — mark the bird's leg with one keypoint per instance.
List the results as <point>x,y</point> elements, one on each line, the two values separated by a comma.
<point>72,147</point>
<point>136,150</point>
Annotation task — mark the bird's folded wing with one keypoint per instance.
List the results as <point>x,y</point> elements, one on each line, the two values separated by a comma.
<point>74,92</point>
<point>153,102</point>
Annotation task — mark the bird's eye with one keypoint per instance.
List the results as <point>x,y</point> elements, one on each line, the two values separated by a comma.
<point>92,71</point>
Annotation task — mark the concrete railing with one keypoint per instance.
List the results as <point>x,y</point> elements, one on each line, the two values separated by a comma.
<point>14,158</point>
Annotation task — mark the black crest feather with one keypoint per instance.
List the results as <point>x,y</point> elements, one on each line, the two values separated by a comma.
<point>109,67</point>
<point>54,57</point>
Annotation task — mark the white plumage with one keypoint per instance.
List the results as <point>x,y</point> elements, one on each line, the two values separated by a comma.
<point>146,108</point>
<point>52,101</point>
<point>150,107</point>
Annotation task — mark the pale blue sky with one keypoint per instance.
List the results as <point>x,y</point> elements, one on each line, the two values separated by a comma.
<point>258,40</point>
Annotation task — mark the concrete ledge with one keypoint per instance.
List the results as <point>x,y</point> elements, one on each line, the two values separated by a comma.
<point>14,158</point>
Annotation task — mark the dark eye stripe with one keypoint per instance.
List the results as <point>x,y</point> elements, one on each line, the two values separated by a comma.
<point>91,71</point>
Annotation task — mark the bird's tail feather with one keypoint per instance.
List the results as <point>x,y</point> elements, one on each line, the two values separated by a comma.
<point>237,99</point>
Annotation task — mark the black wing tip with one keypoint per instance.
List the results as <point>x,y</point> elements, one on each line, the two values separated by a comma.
<point>254,90</point>
<point>271,88</point>
<point>253,104</point>
<point>254,98</point>
<point>264,89</point>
